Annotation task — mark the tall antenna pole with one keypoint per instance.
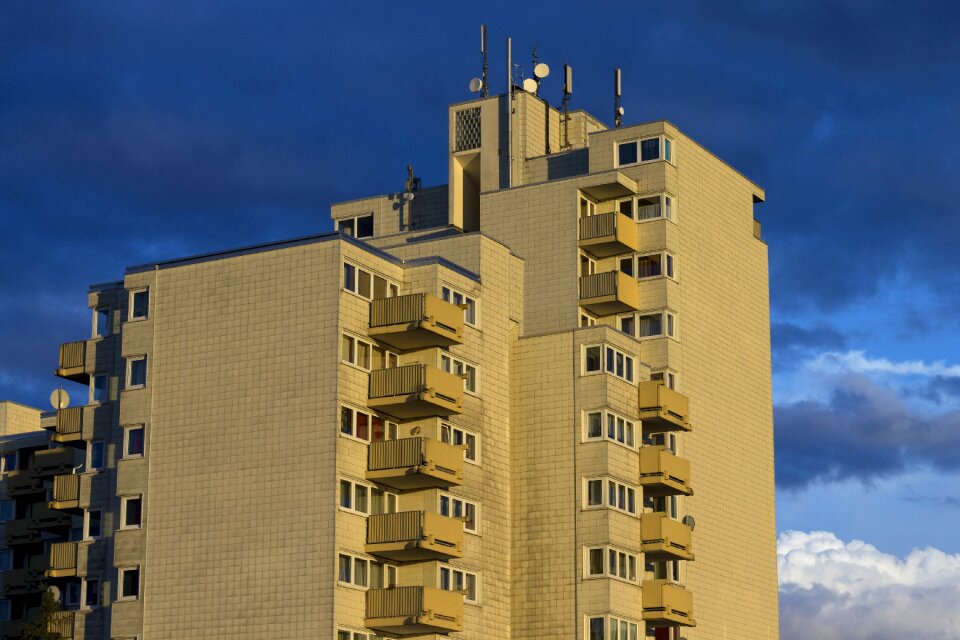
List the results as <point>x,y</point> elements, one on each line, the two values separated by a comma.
<point>537,93</point>
<point>567,92</point>
<point>483,52</point>
<point>617,110</point>
<point>509,112</point>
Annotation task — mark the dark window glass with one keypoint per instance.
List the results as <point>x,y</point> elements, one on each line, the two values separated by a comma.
<point>670,266</point>
<point>593,359</point>
<point>141,301</point>
<point>596,562</point>
<point>626,266</point>
<point>651,325</point>
<point>611,355</point>
<point>594,425</point>
<point>596,628</point>
<point>627,325</point>
<point>134,510</point>
<point>346,227</point>
<point>649,149</point>
<point>135,442</point>
<point>345,563</point>
<point>93,524</point>
<point>100,388</point>
<point>668,149</point>
<point>103,323</point>
<point>349,277</point>
<point>346,491</point>
<point>138,372</point>
<point>96,456</point>
<point>595,492</point>
<point>92,598</point>
<point>627,153</point>
<point>648,266</point>
<point>346,421</point>
<point>365,226</point>
<point>131,583</point>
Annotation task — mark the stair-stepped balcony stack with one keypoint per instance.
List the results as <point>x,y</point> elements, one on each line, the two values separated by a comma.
<point>415,463</point>
<point>416,321</point>
<point>410,611</point>
<point>415,391</point>
<point>609,293</point>
<point>414,536</point>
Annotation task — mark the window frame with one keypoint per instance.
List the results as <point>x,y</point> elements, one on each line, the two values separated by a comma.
<point>96,334</point>
<point>85,591</point>
<point>121,583</point>
<point>73,594</point>
<point>638,628</point>
<point>605,503</point>
<point>88,463</point>
<point>10,505</point>
<point>443,566</point>
<point>131,304</point>
<point>124,507</point>
<point>390,429</point>
<point>128,381</point>
<point>5,465</point>
<point>668,265</point>
<point>368,561</point>
<point>87,536</point>
<point>667,376</point>
<point>392,358</point>
<point>452,429</point>
<point>387,495</point>
<point>392,287</point>
<point>631,428</point>
<point>452,509</point>
<point>92,397</point>
<point>356,226</point>
<point>629,362</point>
<point>127,429</point>
<point>448,363</point>
<point>449,293</point>
<point>669,325</point>
<point>613,555</point>
<point>664,149</point>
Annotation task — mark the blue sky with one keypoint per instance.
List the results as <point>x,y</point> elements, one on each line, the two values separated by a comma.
<point>134,131</point>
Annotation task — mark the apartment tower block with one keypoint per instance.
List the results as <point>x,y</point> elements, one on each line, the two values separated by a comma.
<point>532,403</point>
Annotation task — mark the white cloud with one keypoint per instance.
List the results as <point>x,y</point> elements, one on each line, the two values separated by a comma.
<point>835,589</point>
<point>858,362</point>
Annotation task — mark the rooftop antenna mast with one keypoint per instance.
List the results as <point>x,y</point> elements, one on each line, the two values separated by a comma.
<point>617,109</point>
<point>483,52</point>
<point>567,92</point>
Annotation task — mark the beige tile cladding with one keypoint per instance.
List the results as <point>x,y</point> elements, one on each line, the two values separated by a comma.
<point>242,410</point>
<point>18,418</point>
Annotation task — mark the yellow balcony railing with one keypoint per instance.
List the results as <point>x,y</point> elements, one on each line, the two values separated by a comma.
<point>66,492</point>
<point>608,234</point>
<point>663,538</point>
<point>72,363</point>
<point>406,611</point>
<point>415,463</point>
<point>69,424</point>
<point>608,293</point>
<point>663,473</point>
<point>415,391</point>
<point>662,409</point>
<point>414,536</point>
<point>666,604</point>
<point>416,321</point>
<point>63,560</point>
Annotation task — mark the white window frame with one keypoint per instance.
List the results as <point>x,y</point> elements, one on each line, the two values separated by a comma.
<point>591,265</point>
<point>464,573</point>
<point>355,219</point>
<point>130,305</point>
<point>392,288</point>
<point>96,323</point>
<point>619,488</point>
<point>86,524</point>
<point>356,635</point>
<point>391,357</point>
<point>390,498</point>
<point>459,503</point>
<point>73,594</point>
<point>629,426</point>
<point>449,434</point>
<point>389,570</point>
<point>665,141</point>
<point>451,363</point>
<point>390,429</point>
<point>586,320</point>
<point>639,629</point>
<point>124,500</point>
<point>668,376</point>
<point>127,429</point>
<point>121,571</point>
<point>128,385</point>
<point>85,591</point>
<point>668,206</point>
<point>668,322</point>
<point>614,558</point>
<point>5,466</point>
<point>92,398</point>
<point>451,294</point>
<point>668,265</point>
<point>88,463</point>
<point>629,362</point>
<point>8,505</point>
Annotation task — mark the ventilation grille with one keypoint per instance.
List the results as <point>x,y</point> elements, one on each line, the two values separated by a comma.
<point>468,129</point>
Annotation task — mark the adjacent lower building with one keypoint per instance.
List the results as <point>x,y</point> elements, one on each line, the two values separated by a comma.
<point>532,403</point>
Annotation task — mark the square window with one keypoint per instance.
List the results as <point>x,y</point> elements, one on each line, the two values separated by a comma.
<point>626,266</point>
<point>651,325</point>
<point>136,372</point>
<point>132,512</point>
<point>139,304</point>
<point>628,325</point>
<point>346,227</point>
<point>365,226</point>
<point>626,153</point>
<point>649,266</point>
<point>130,583</point>
<point>133,442</point>
<point>649,149</point>
<point>8,510</point>
<point>71,593</point>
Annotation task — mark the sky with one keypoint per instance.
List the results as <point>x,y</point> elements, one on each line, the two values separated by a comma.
<point>137,131</point>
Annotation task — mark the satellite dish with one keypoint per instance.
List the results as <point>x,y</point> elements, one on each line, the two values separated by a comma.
<point>55,592</point>
<point>530,85</point>
<point>476,85</point>
<point>690,522</point>
<point>620,110</point>
<point>59,399</point>
<point>541,71</point>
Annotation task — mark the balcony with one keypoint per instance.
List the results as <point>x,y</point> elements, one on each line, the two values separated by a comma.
<point>412,536</point>
<point>663,538</point>
<point>19,532</point>
<point>24,483</point>
<point>608,293</point>
<point>411,611</point>
<point>62,622</point>
<point>19,582</point>
<point>66,492</point>
<point>416,321</point>
<point>73,362</point>
<point>608,234</point>
<point>662,409</point>
<point>69,425</point>
<point>43,517</point>
<point>415,463</point>
<point>663,474</point>
<point>415,391</point>
<point>51,462</point>
<point>63,560</point>
<point>666,604</point>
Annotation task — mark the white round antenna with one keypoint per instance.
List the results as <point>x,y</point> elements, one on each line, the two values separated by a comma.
<point>530,85</point>
<point>541,71</point>
<point>476,85</point>
<point>59,399</point>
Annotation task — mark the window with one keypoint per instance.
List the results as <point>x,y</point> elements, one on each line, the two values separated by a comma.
<point>650,149</point>
<point>626,153</point>
<point>612,494</point>
<point>617,362</point>
<point>365,573</point>
<point>458,436</point>
<point>131,512</point>
<point>654,325</point>
<point>588,266</point>
<point>343,634</point>
<point>366,426</point>
<point>619,629</point>
<point>101,323</point>
<point>453,579</point>
<point>587,320</point>
<point>458,367</point>
<point>600,425</point>
<point>98,388</point>
<point>4,610</point>
<point>92,520</point>
<point>133,441</point>
<point>95,456</point>
<point>652,207</point>
<point>669,378</point>
<point>367,355</point>
<point>71,593</point>
<point>6,559</point>
<point>666,440</point>
<point>358,227</point>
<point>366,499</point>
<point>367,285</point>
<point>8,510</point>
<point>592,359</point>
<point>587,207</point>
<point>91,593</point>
<point>136,372</point>
<point>668,505</point>
<point>668,149</point>
<point>139,304</point>
<point>129,580</point>
<point>382,576</point>
<point>456,297</point>
<point>454,507</point>
<point>9,461</point>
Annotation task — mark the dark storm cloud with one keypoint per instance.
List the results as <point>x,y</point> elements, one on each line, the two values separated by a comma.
<point>791,342</point>
<point>864,432</point>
